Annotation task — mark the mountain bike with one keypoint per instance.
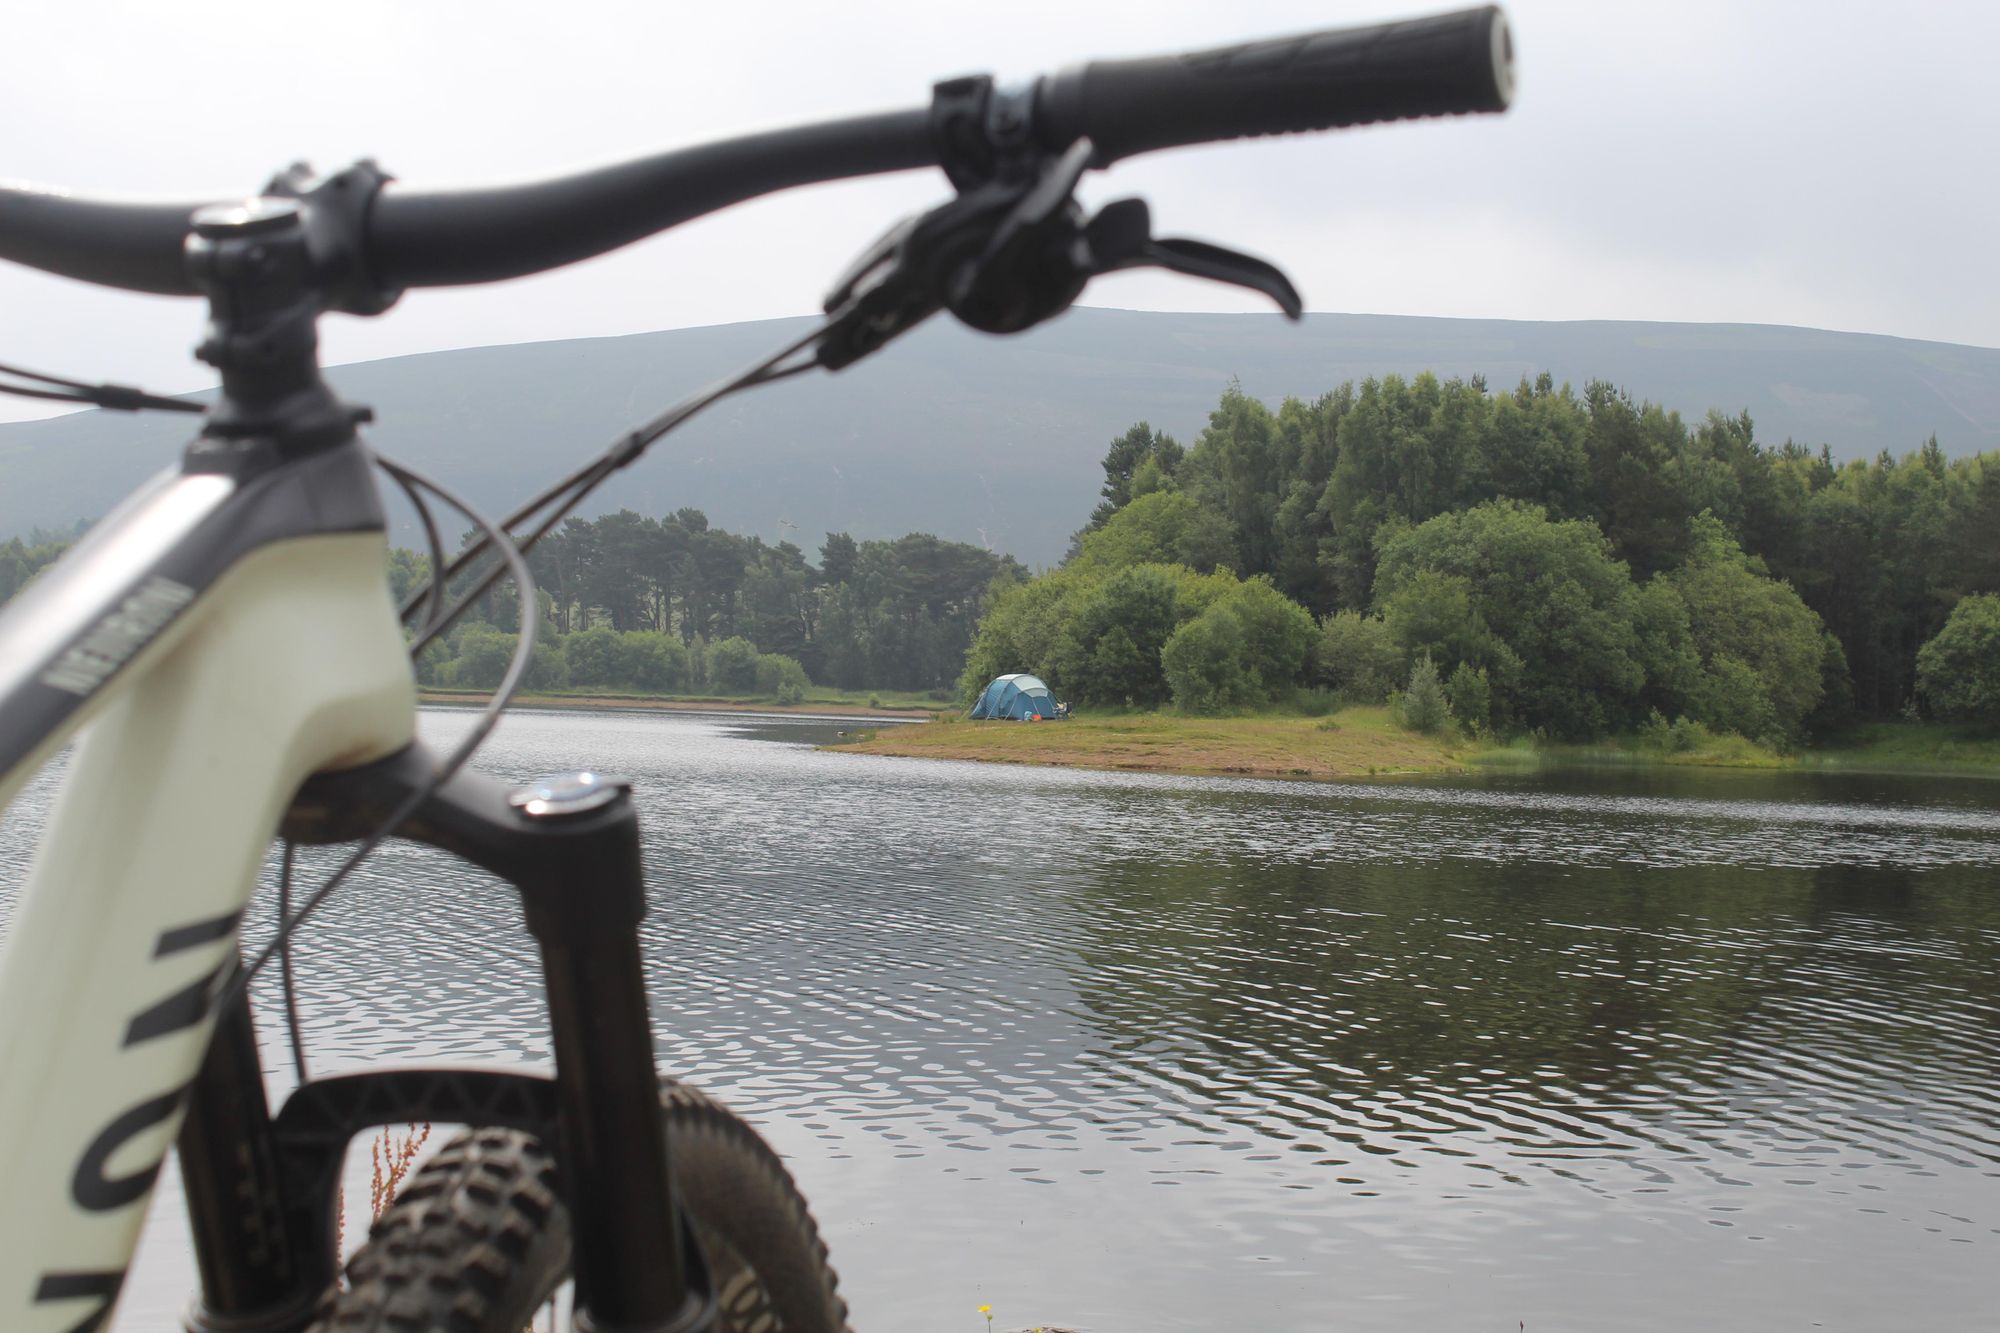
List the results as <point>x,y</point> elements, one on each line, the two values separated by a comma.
<point>223,648</point>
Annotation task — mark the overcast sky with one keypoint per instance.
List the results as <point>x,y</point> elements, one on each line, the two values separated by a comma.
<point>1825,164</point>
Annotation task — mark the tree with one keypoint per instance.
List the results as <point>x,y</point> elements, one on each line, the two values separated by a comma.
<point>21,561</point>
<point>1761,648</point>
<point>1277,636</point>
<point>1203,666</point>
<point>732,666</point>
<point>547,670</point>
<point>1471,697</point>
<point>1548,612</point>
<point>1249,646</point>
<point>612,579</point>
<point>1423,706</point>
<point>1358,657</point>
<point>481,658</point>
<point>1432,613</point>
<point>407,569</point>
<point>1138,462</point>
<point>781,677</point>
<point>593,657</point>
<point>837,557</point>
<point>1532,449</point>
<point>1632,449</point>
<point>1021,630</point>
<point>648,660</point>
<point>1236,468</point>
<point>1958,670</point>
<point>1165,527</point>
<point>1109,653</point>
<point>484,653</point>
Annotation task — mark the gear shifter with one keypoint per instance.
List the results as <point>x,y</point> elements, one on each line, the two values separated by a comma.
<point>1013,249</point>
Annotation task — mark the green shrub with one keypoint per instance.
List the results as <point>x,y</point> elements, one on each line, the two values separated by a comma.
<point>592,655</point>
<point>1358,657</point>
<point>1681,736</point>
<point>697,676</point>
<point>1204,664</point>
<point>1958,671</point>
<point>547,669</point>
<point>1312,702</point>
<point>433,663</point>
<point>479,659</point>
<point>1471,697</point>
<point>781,677</point>
<point>648,660</point>
<point>1687,735</point>
<point>1422,706</point>
<point>1656,732</point>
<point>732,666</point>
<point>1277,636</point>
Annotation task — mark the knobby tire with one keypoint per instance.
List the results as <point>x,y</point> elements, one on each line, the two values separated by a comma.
<point>479,1239</point>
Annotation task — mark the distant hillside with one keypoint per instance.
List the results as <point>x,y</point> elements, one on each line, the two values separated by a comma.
<point>997,440</point>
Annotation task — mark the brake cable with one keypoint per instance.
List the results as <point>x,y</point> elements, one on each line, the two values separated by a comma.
<point>564,496</point>
<point>116,397</point>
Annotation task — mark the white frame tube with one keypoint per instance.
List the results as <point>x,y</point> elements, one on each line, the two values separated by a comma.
<point>292,663</point>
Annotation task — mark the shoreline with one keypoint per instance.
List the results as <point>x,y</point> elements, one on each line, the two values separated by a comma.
<point>1365,743</point>
<point>1356,743</point>
<point>614,703</point>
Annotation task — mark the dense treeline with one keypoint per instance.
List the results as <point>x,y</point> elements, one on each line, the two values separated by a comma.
<point>675,605</point>
<point>1565,562</point>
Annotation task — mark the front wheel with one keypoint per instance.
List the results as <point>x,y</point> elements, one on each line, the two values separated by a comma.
<point>478,1240</point>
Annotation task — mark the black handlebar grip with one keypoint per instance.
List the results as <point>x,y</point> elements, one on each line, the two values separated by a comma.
<point>1444,65</point>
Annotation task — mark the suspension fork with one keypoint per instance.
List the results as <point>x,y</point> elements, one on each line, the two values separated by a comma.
<point>574,858</point>
<point>584,896</point>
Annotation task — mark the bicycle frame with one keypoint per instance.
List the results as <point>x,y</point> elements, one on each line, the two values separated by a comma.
<point>225,636</point>
<point>251,645</point>
<point>248,670</point>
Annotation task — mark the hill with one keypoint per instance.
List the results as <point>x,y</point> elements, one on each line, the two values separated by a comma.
<point>997,440</point>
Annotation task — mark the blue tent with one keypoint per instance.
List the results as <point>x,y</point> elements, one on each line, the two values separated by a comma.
<point>1016,698</point>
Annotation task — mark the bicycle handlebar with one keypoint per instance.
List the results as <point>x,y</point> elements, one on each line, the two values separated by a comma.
<point>134,246</point>
<point>1443,65</point>
<point>1448,64</point>
<point>438,238</point>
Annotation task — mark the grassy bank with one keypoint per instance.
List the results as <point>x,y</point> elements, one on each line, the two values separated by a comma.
<point>1893,746</point>
<point>846,703</point>
<point>1869,747</point>
<point>1367,742</point>
<point>1724,751</point>
<point>1356,742</point>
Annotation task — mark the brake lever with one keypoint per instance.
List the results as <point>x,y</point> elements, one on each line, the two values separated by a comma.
<point>1120,237</point>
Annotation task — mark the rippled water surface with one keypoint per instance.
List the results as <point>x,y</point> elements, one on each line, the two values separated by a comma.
<point>1609,1051</point>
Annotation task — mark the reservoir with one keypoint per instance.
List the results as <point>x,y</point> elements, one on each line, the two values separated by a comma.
<point>1643,1049</point>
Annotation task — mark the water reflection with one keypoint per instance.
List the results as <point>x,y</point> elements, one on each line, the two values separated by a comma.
<point>1633,1050</point>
